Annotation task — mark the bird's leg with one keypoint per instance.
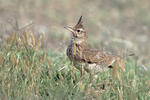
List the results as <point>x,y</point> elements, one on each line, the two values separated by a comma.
<point>87,69</point>
<point>91,77</point>
<point>81,69</point>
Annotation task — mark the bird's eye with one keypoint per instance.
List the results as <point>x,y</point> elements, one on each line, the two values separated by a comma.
<point>78,30</point>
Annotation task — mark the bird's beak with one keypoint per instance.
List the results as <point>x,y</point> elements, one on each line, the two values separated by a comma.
<point>69,28</point>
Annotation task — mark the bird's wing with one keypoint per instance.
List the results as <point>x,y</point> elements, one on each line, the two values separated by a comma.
<point>92,56</point>
<point>98,57</point>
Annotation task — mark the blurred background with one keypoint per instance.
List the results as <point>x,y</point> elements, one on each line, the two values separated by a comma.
<point>115,25</point>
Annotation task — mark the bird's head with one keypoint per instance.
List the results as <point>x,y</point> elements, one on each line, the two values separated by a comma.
<point>78,31</point>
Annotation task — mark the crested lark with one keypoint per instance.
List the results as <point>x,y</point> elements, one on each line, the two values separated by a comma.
<point>93,61</point>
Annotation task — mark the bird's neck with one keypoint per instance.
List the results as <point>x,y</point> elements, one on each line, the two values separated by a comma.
<point>79,42</point>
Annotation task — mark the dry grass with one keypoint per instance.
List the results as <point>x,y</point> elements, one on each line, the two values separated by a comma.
<point>33,63</point>
<point>29,73</point>
<point>123,23</point>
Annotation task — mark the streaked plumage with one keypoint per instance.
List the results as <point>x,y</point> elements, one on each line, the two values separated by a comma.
<point>93,61</point>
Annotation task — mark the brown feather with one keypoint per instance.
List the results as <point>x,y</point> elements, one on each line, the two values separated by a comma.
<point>79,52</point>
<point>79,24</point>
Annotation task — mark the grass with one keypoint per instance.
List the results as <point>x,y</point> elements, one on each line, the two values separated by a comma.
<point>27,72</point>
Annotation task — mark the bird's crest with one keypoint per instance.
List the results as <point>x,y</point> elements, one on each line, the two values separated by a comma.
<point>79,24</point>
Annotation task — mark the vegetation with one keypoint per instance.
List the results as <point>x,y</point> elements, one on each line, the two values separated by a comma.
<point>33,42</point>
<point>29,73</point>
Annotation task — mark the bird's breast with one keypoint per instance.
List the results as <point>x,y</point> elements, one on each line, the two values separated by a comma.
<point>74,52</point>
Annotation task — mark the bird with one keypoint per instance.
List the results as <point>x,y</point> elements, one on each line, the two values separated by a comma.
<point>83,57</point>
